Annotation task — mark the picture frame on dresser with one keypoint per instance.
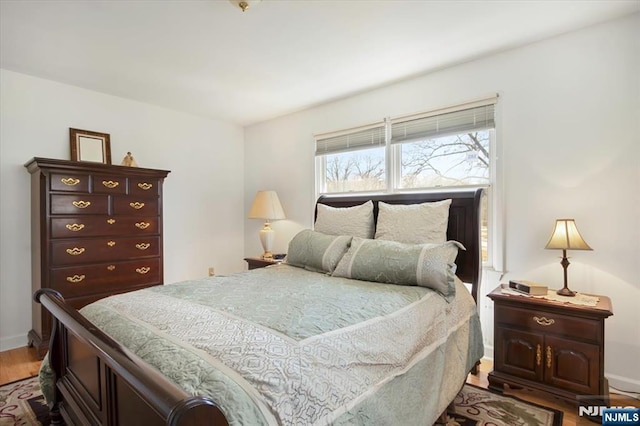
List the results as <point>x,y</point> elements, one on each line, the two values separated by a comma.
<point>90,146</point>
<point>96,230</point>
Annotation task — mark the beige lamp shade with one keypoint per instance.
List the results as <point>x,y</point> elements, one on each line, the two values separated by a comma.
<point>266,206</point>
<point>565,236</point>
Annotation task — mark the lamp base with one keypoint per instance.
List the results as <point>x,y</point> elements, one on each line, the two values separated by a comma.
<point>566,292</point>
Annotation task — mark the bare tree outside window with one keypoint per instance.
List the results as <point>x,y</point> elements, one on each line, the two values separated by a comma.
<point>356,171</point>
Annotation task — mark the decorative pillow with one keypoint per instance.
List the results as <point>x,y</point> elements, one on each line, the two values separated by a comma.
<point>425,265</point>
<point>317,252</point>
<point>413,223</point>
<point>356,221</point>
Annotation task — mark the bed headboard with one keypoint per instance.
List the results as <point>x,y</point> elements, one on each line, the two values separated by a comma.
<point>464,222</point>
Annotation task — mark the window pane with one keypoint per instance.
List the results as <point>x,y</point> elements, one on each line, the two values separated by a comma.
<point>362,170</point>
<point>446,161</point>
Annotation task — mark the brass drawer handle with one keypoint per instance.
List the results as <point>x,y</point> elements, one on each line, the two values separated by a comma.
<point>110,184</point>
<point>111,221</point>
<point>143,270</point>
<point>549,356</point>
<point>81,204</point>
<point>143,246</point>
<point>70,181</point>
<point>75,227</point>
<point>137,205</point>
<point>111,267</point>
<point>538,355</point>
<point>76,278</point>
<point>544,321</point>
<point>145,186</point>
<point>75,251</point>
<point>111,243</point>
<point>142,225</point>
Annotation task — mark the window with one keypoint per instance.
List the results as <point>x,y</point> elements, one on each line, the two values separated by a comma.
<point>448,147</point>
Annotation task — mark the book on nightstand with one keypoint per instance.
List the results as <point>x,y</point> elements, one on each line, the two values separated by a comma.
<point>528,287</point>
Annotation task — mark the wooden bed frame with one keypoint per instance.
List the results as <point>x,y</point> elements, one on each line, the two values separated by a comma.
<point>100,382</point>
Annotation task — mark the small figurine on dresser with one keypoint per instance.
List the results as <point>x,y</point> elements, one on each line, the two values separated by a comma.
<point>129,161</point>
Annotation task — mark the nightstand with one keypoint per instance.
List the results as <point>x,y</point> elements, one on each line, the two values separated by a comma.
<point>549,346</point>
<point>258,262</point>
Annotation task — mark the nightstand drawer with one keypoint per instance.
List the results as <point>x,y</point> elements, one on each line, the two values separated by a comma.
<point>549,322</point>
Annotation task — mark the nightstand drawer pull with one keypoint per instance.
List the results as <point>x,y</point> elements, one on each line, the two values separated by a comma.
<point>538,354</point>
<point>142,225</point>
<point>137,205</point>
<point>76,278</point>
<point>549,356</point>
<point>145,186</point>
<point>75,227</point>
<point>143,270</point>
<point>544,321</point>
<point>110,184</point>
<point>70,181</point>
<point>81,204</point>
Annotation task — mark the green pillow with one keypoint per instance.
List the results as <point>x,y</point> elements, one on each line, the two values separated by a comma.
<point>425,265</point>
<point>316,251</point>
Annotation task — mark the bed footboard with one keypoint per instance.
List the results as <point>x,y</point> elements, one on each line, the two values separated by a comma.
<point>99,382</point>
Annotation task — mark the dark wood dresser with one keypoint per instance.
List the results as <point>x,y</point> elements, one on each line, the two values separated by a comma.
<point>549,346</point>
<point>96,230</point>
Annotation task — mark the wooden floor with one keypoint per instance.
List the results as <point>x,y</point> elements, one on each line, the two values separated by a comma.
<point>21,363</point>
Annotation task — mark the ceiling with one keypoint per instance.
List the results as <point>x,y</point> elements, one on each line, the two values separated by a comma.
<point>209,58</point>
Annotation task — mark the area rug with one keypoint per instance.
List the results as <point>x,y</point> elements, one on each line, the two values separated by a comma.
<point>22,403</point>
<point>479,407</point>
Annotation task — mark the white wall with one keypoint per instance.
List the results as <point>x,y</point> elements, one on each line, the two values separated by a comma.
<point>568,125</point>
<point>203,194</point>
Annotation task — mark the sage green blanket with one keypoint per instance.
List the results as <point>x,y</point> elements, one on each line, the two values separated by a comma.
<point>283,345</point>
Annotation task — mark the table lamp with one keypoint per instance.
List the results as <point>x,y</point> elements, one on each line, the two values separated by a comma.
<point>266,205</point>
<point>565,236</point>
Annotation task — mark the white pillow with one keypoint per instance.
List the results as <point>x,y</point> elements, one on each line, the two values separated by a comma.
<point>356,221</point>
<point>413,223</point>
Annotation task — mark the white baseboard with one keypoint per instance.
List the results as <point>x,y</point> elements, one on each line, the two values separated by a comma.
<point>13,342</point>
<point>623,384</point>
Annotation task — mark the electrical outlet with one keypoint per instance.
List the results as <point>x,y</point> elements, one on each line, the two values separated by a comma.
<point>211,271</point>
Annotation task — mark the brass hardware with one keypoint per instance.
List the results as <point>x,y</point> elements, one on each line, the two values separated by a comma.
<point>544,321</point>
<point>549,356</point>
<point>110,184</point>
<point>143,270</point>
<point>142,225</point>
<point>76,278</point>
<point>137,205</point>
<point>70,181</point>
<point>111,221</point>
<point>75,251</point>
<point>81,204</point>
<point>145,186</point>
<point>538,354</point>
<point>111,267</point>
<point>143,246</point>
<point>75,227</point>
<point>111,243</point>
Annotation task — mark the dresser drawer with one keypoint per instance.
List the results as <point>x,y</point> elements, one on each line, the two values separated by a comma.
<point>107,277</point>
<point>132,205</point>
<point>92,226</point>
<point>69,182</point>
<point>82,251</point>
<point>549,322</point>
<point>79,204</point>
<point>144,187</point>
<point>104,184</point>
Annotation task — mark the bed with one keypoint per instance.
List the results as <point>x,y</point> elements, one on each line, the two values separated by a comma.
<point>287,344</point>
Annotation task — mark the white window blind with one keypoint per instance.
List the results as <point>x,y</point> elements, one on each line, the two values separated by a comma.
<point>443,122</point>
<point>363,137</point>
